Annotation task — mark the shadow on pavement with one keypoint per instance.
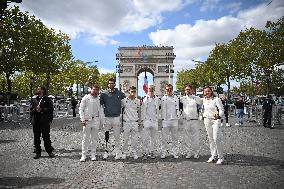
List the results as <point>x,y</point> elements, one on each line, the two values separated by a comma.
<point>18,182</point>
<point>63,151</point>
<point>250,160</point>
<point>7,141</point>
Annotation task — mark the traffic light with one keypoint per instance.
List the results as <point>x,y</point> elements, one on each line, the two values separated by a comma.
<point>219,90</point>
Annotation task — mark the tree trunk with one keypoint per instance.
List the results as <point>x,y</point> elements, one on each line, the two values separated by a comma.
<point>9,83</point>
<point>9,87</point>
<point>229,86</point>
<point>47,82</point>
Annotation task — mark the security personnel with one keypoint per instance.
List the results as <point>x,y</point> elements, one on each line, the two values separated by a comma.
<point>131,106</point>
<point>41,112</point>
<point>150,115</point>
<point>191,122</point>
<point>91,115</point>
<point>267,111</point>
<point>170,117</point>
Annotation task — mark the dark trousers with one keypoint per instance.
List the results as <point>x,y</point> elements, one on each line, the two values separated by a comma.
<point>74,112</point>
<point>226,114</point>
<point>267,115</point>
<point>42,130</point>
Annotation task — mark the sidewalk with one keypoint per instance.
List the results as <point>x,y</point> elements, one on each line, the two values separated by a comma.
<point>254,159</point>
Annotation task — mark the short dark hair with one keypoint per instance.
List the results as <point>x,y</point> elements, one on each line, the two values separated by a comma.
<point>42,87</point>
<point>111,79</point>
<point>188,85</point>
<point>132,88</point>
<point>169,85</point>
<point>95,86</point>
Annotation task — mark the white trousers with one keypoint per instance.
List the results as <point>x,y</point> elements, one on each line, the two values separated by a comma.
<point>113,124</point>
<point>190,136</point>
<point>215,136</point>
<point>169,135</point>
<point>150,136</point>
<point>130,132</point>
<point>90,137</point>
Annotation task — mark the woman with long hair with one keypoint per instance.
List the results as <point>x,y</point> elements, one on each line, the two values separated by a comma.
<point>212,112</point>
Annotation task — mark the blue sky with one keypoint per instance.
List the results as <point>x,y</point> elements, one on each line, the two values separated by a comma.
<point>98,27</point>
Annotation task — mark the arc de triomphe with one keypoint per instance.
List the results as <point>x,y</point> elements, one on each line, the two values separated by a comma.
<point>136,60</point>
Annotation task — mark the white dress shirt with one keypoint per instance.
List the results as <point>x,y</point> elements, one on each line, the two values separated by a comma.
<point>131,110</point>
<point>190,103</point>
<point>212,106</point>
<point>150,108</point>
<point>170,107</point>
<point>90,108</point>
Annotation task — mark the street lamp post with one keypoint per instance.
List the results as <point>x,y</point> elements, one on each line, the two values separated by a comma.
<point>119,68</point>
<point>268,81</point>
<point>31,87</point>
<point>3,87</point>
<point>170,68</point>
<point>88,82</point>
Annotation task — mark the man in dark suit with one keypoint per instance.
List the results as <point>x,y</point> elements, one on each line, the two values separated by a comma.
<point>41,111</point>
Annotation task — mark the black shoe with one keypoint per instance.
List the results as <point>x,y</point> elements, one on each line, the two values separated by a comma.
<point>51,155</point>
<point>37,156</point>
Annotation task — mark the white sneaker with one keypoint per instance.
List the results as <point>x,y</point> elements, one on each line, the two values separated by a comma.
<point>83,158</point>
<point>211,159</point>
<point>175,156</point>
<point>117,156</point>
<point>105,155</point>
<point>228,125</point>
<point>196,156</point>
<point>93,157</point>
<point>135,156</point>
<point>123,156</point>
<point>220,161</point>
<point>188,156</point>
<point>237,124</point>
<point>163,156</point>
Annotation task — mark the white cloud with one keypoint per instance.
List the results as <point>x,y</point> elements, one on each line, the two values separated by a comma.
<point>195,41</point>
<point>103,40</point>
<point>102,19</point>
<point>212,5</point>
<point>105,70</point>
<point>209,5</point>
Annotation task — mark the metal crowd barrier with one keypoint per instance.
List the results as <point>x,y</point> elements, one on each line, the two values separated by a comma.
<point>18,112</point>
<point>277,115</point>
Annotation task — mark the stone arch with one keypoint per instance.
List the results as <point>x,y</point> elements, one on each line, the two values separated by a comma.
<point>153,59</point>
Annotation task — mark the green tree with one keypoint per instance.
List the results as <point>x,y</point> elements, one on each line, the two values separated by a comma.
<point>103,79</point>
<point>12,45</point>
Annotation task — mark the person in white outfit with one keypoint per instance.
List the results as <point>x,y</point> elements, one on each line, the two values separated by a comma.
<point>131,106</point>
<point>170,116</point>
<point>191,122</point>
<point>90,113</point>
<point>150,115</point>
<point>212,112</point>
